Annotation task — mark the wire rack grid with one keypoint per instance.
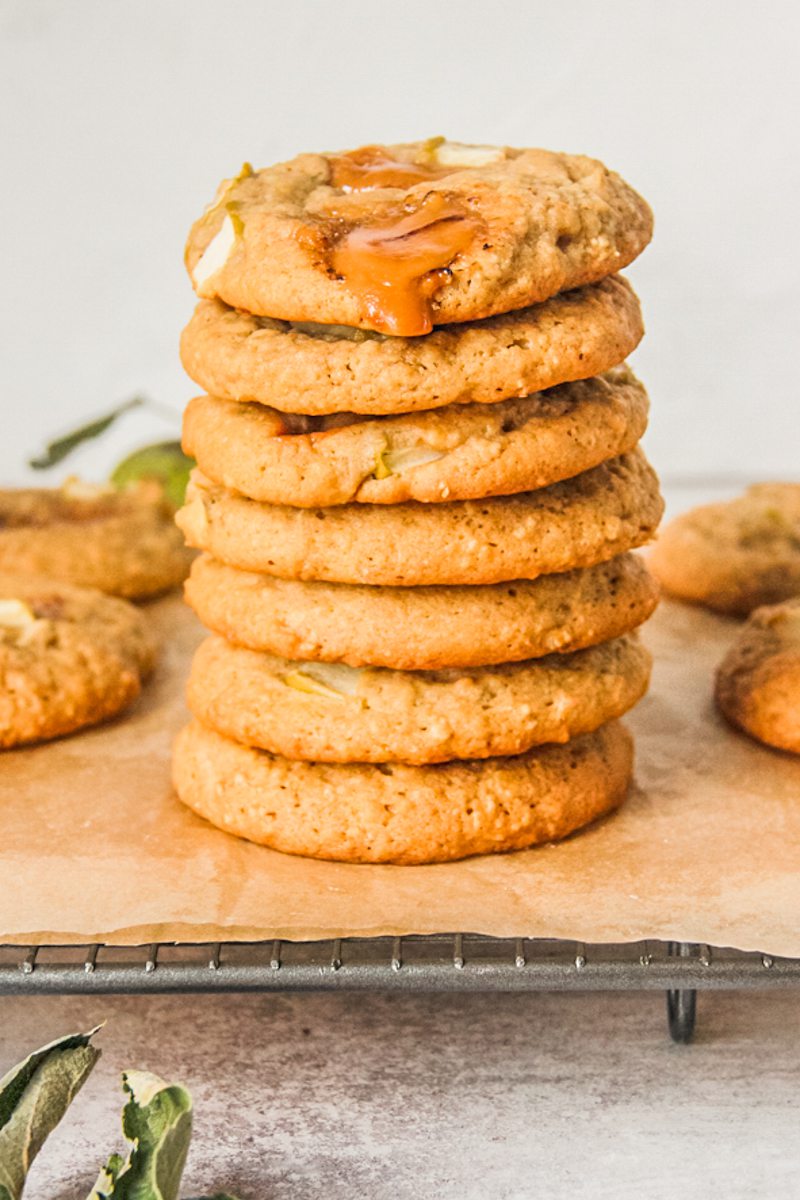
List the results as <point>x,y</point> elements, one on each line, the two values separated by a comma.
<point>454,963</point>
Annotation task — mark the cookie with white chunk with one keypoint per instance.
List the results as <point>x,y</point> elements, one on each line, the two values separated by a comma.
<point>69,657</point>
<point>405,237</point>
<point>463,452</point>
<point>329,712</point>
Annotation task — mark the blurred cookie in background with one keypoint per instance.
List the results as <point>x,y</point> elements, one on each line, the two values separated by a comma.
<point>69,657</point>
<point>123,542</point>
<point>735,555</point>
<point>758,682</point>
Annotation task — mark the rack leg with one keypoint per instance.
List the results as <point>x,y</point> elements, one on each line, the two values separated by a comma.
<point>681,1002</point>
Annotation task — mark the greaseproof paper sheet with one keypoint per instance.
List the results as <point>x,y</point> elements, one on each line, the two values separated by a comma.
<point>94,846</point>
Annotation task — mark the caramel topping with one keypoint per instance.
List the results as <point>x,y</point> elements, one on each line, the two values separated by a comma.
<point>373,167</point>
<point>396,263</point>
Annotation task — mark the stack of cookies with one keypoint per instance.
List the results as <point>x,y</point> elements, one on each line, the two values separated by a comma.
<point>418,489</point>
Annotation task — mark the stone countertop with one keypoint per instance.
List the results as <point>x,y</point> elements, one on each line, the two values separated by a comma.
<point>461,1097</point>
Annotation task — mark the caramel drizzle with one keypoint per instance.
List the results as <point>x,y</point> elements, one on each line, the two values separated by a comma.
<point>396,260</point>
<point>373,167</point>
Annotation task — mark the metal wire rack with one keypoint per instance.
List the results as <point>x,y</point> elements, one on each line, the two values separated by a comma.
<point>448,963</point>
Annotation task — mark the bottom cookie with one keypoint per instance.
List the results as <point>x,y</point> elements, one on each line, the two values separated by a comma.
<point>758,682</point>
<point>393,813</point>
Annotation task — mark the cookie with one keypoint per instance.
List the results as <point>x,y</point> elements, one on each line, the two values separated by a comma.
<point>402,814</point>
<point>577,523</point>
<point>438,233</point>
<point>121,542</point>
<point>462,452</point>
<point>735,555</point>
<point>69,657</point>
<point>328,712</point>
<point>322,369</point>
<point>423,628</point>
<point>758,682</point>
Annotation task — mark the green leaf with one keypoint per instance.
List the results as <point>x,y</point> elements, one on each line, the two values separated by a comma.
<point>56,451</point>
<point>108,1176</point>
<point>164,461</point>
<point>157,1119</point>
<point>34,1096</point>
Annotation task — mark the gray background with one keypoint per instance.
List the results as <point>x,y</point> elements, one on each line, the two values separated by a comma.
<point>120,117</point>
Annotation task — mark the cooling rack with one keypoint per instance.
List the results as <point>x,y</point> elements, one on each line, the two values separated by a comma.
<point>457,962</point>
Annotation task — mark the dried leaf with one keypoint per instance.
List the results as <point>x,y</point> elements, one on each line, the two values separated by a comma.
<point>34,1096</point>
<point>157,1120</point>
<point>56,451</point>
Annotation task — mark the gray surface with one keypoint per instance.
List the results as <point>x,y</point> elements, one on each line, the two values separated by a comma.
<point>455,1096</point>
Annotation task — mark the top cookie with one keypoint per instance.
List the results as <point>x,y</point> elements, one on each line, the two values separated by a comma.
<point>735,555</point>
<point>401,238</point>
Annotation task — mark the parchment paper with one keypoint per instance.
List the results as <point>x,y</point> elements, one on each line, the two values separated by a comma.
<point>95,847</point>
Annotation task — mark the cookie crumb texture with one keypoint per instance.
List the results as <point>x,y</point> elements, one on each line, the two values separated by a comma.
<point>122,543</point>
<point>735,555</point>
<point>335,713</point>
<point>69,657</point>
<point>462,452</point>
<point>394,813</point>
<point>613,508</point>
<point>315,369</point>
<point>758,682</point>
<point>297,242</point>
<point>424,628</point>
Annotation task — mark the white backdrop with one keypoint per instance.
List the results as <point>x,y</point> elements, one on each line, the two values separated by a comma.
<point>120,117</point>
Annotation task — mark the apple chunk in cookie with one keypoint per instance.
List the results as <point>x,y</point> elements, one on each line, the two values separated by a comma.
<point>462,452</point>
